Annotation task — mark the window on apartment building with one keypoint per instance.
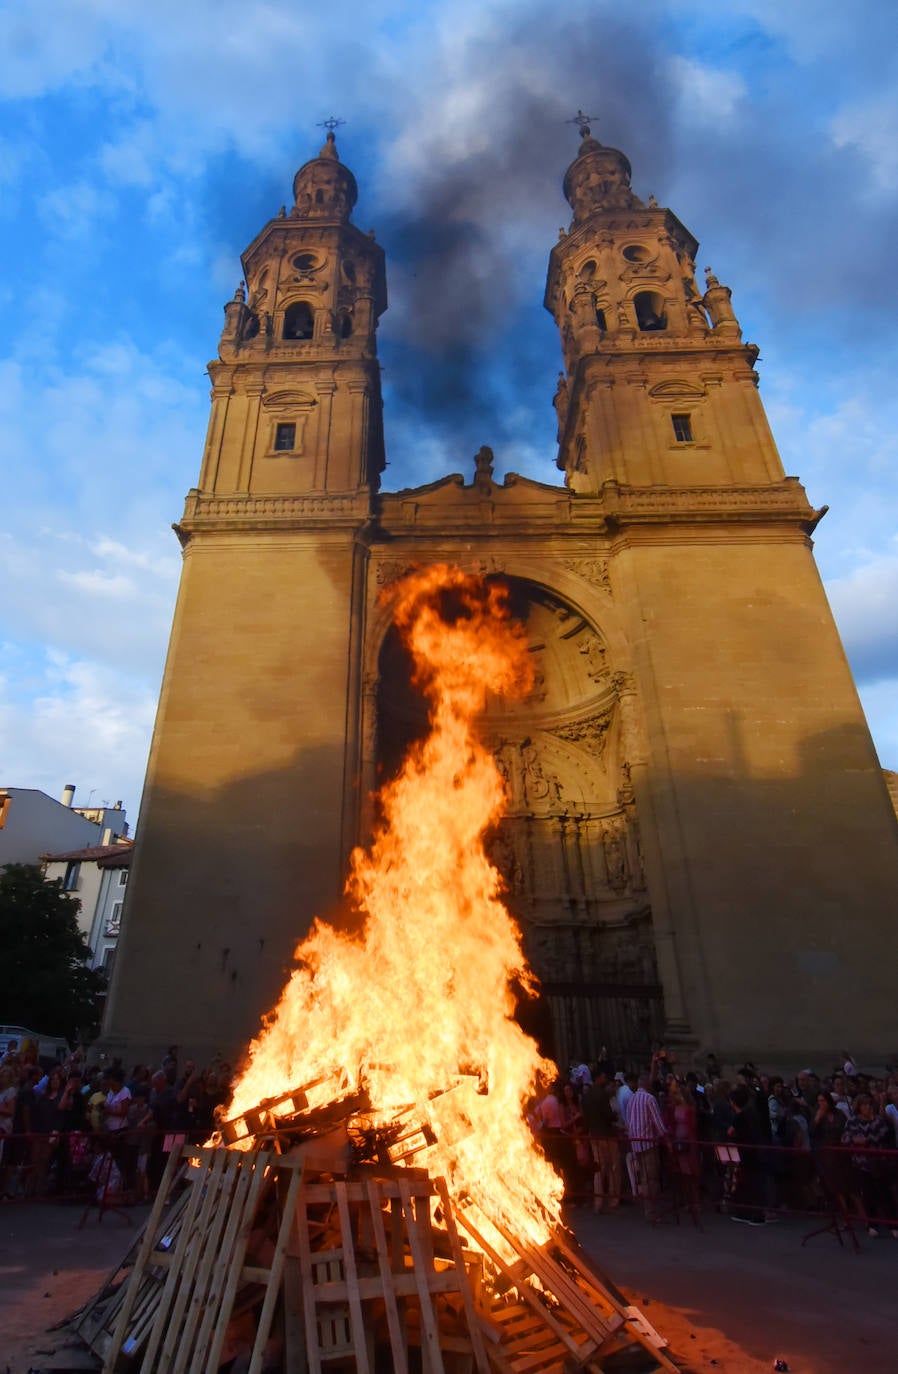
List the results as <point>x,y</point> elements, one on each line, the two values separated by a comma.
<point>123,877</point>
<point>114,921</point>
<point>72,880</point>
<point>682,427</point>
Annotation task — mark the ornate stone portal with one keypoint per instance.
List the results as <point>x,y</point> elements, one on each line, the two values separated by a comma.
<point>569,848</point>
<point>699,840</point>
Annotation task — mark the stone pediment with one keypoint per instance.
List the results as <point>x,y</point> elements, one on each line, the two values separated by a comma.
<point>451,500</point>
<point>288,399</point>
<point>677,389</point>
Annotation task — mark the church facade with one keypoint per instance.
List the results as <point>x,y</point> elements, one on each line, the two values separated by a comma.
<point>699,844</point>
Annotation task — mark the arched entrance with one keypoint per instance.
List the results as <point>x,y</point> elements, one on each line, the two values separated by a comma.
<point>569,846</point>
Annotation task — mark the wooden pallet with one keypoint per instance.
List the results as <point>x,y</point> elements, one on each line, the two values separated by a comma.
<point>354,1267</point>
<point>171,1313</point>
<point>96,1321</point>
<point>348,1258</point>
<point>562,1310</point>
<point>381,1259</point>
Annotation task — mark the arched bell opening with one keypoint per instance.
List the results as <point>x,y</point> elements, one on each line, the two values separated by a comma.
<point>568,847</point>
<point>651,315</point>
<point>299,321</point>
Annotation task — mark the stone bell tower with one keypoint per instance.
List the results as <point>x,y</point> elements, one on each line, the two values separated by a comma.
<point>771,849</point>
<point>250,786</point>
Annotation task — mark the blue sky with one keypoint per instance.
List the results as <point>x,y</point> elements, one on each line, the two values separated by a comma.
<point>143,146</point>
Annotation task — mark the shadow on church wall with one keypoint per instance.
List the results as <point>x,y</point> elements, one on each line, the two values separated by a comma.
<point>781,892</point>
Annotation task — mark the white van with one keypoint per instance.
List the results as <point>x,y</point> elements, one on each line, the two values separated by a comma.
<point>47,1046</point>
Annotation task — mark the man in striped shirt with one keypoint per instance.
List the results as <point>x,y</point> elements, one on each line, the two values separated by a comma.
<point>646,1130</point>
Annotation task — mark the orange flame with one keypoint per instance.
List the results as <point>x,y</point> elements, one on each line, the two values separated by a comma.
<point>424,993</point>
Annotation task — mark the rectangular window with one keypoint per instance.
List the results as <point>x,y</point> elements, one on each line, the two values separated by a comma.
<point>285,438</point>
<point>682,425</point>
<point>123,877</point>
<point>114,921</point>
<point>72,877</point>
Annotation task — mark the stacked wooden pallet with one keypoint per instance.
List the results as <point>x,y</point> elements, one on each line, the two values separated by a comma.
<point>315,1261</point>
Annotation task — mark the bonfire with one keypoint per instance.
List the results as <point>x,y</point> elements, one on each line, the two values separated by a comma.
<point>380,1201</point>
<point>423,999</point>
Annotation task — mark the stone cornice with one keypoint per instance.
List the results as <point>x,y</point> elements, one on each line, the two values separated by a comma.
<point>532,508</point>
<point>519,507</point>
<point>780,501</point>
<point>204,512</point>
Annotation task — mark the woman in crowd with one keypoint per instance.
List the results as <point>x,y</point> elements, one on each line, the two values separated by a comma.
<point>833,1167</point>
<point>573,1127</point>
<point>871,1133</point>
<point>681,1120</point>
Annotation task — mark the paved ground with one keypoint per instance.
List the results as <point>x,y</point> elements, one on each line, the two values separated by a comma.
<point>752,1295</point>
<point>48,1269</point>
<point>728,1297</point>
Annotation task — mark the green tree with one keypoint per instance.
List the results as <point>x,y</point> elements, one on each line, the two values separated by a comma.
<point>46,983</point>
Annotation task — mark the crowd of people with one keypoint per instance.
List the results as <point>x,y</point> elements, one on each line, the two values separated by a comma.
<point>76,1124</point>
<point>753,1144</point>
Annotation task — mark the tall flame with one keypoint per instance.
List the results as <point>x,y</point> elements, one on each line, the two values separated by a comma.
<point>424,993</point>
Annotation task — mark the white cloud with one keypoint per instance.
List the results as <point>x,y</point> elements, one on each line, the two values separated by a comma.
<point>112,617</point>
<point>43,51</point>
<point>83,721</point>
<point>75,210</point>
<point>706,95</point>
<point>865,604</point>
<point>871,126</point>
<point>880,703</point>
<point>97,582</point>
<point>837,431</point>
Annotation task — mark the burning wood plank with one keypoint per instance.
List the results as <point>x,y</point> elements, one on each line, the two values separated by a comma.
<point>373,1260</point>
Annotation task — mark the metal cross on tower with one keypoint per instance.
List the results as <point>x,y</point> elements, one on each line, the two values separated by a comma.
<point>582,122</point>
<point>330,124</point>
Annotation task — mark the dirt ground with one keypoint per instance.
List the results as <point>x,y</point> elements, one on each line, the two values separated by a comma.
<point>728,1297</point>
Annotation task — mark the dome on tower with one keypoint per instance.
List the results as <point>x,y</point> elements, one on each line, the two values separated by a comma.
<point>323,188</point>
<point>598,178</point>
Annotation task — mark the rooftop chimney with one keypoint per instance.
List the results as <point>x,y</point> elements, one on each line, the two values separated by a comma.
<point>68,793</point>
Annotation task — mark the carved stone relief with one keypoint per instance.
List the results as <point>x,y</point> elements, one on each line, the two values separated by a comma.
<point>616,865</point>
<point>591,733</point>
<point>568,847</point>
<point>594,570</point>
<point>594,654</point>
<point>390,571</point>
<point>529,785</point>
<point>540,788</point>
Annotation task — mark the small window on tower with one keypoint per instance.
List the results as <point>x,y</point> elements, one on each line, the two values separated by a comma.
<point>345,327</point>
<point>682,426</point>
<point>600,319</point>
<point>349,270</point>
<point>285,438</point>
